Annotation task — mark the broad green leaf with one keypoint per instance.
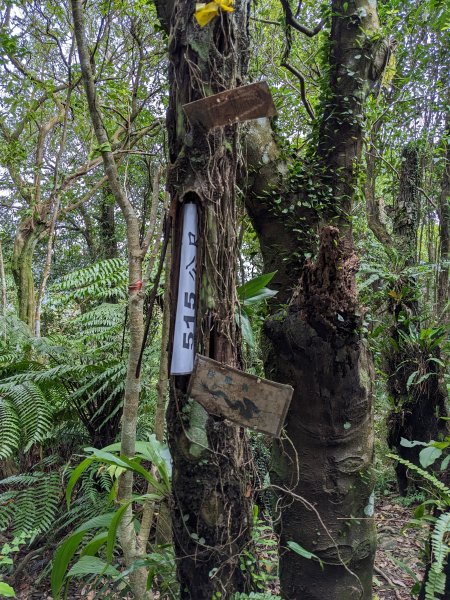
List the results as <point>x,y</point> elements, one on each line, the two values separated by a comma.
<point>411,379</point>
<point>132,464</point>
<point>445,462</point>
<point>428,455</point>
<point>92,565</point>
<point>254,286</point>
<point>96,522</point>
<point>95,544</point>
<point>264,294</point>
<point>6,590</point>
<point>407,444</point>
<point>68,548</point>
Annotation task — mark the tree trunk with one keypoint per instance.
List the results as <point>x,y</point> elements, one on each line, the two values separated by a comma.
<point>444,227</point>
<point>27,236</point>
<point>3,283</point>
<point>107,231</point>
<point>322,467</point>
<point>211,513</point>
<point>417,405</point>
<point>131,543</point>
<point>324,461</point>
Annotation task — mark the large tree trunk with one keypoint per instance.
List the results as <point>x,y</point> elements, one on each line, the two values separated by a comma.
<point>322,467</point>
<point>211,513</point>
<point>324,461</point>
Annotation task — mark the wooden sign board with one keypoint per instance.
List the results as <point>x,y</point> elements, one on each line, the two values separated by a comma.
<point>245,399</point>
<point>252,101</point>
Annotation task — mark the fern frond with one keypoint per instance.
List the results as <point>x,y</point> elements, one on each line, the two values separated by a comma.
<point>440,548</point>
<point>436,483</point>
<point>34,411</point>
<point>35,501</point>
<point>99,281</point>
<point>9,428</point>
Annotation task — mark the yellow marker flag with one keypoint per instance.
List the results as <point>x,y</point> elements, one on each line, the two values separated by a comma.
<point>205,12</point>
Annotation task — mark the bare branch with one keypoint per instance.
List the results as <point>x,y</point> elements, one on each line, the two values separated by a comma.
<point>293,22</point>
<point>301,79</point>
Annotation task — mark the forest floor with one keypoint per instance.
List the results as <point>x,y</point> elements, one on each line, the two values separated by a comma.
<point>397,560</point>
<point>398,551</point>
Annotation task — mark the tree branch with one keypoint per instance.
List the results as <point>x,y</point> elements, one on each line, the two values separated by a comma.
<point>301,79</point>
<point>293,22</point>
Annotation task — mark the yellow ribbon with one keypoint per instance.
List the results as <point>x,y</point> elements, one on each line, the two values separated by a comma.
<point>205,12</point>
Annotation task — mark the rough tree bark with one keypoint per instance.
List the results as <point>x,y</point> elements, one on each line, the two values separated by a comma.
<point>324,461</point>
<point>211,513</point>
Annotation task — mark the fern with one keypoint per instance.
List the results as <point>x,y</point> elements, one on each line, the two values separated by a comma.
<point>30,502</point>
<point>25,417</point>
<point>437,484</point>
<point>9,428</point>
<point>440,550</point>
<point>98,282</point>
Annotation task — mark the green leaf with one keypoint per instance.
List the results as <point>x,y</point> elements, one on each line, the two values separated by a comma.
<point>428,455</point>
<point>254,286</point>
<point>77,472</point>
<point>6,590</point>
<point>112,531</point>
<point>94,545</point>
<point>264,294</point>
<point>92,565</point>
<point>63,556</point>
<point>411,379</point>
<point>127,463</point>
<point>243,322</point>
<point>445,462</point>
<point>98,522</point>
<point>303,552</point>
<point>407,444</point>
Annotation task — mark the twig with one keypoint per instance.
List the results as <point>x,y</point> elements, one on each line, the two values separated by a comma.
<point>388,579</point>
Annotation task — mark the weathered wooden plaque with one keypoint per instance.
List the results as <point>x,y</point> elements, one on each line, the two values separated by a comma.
<point>245,399</point>
<point>252,101</point>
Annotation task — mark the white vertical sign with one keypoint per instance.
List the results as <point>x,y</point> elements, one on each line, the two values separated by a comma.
<point>183,339</point>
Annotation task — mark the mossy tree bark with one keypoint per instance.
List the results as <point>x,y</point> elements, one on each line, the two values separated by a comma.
<point>322,466</point>
<point>27,236</point>
<point>211,512</point>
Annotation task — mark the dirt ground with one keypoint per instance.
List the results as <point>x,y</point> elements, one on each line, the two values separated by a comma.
<point>391,580</point>
<point>397,548</point>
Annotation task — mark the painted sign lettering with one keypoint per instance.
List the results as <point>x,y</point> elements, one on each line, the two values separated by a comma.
<point>183,340</point>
